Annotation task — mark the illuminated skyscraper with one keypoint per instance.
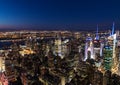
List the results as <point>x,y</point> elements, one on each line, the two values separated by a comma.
<point>57,46</point>
<point>89,48</point>
<point>107,57</point>
<point>98,47</point>
<point>112,45</point>
<point>3,78</point>
<point>115,63</point>
<point>2,64</point>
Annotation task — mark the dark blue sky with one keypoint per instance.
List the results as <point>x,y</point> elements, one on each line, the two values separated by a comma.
<point>50,14</point>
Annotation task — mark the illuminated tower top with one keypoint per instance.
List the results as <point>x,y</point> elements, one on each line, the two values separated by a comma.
<point>113,29</point>
<point>97,36</point>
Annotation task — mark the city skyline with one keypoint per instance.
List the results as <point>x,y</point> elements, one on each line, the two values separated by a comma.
<point>59,42</point>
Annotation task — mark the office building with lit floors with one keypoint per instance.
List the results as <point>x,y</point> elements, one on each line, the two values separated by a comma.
<point>107,63</point>
<point>10,72</point>
<point>3,77</point>
<point>112,41</point>
<point>2,64</point>
<point>107,53</point>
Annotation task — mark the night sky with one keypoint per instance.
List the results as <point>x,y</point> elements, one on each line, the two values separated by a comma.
<point>59,14</point>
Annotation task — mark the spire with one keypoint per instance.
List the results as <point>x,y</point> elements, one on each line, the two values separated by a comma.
<point>113,28</point>
<point>97,30</point>
<point>97,36</point>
